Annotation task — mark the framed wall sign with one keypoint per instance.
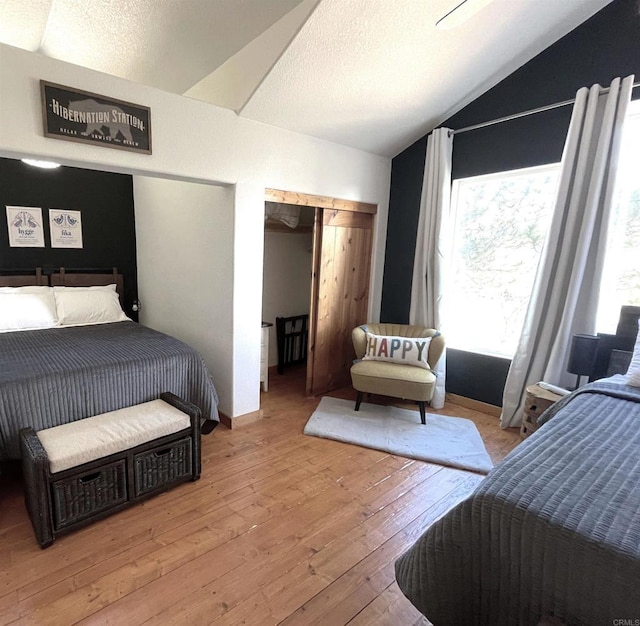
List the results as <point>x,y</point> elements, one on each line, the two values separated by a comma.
<point>66,228</point>
<point>24,224</point>
<point>76,115</point>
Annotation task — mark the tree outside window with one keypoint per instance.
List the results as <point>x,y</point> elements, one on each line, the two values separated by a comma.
<point>501,221</point>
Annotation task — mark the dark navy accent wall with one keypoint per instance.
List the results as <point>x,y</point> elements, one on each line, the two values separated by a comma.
<point>605,46</point>
<point>108,220</point>
<point>482,384</point>
<point>404,204</point>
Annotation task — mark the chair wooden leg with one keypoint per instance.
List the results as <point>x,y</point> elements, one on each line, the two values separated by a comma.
<point>423,416</point>
<point>358,400</point>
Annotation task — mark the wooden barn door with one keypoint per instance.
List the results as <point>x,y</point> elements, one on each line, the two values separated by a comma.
<point>342,247</point>
<point>339,294</point>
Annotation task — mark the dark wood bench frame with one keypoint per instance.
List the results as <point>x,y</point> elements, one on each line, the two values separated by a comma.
<point>40,482</point>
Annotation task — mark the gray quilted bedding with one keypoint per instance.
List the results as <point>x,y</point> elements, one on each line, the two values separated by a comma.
<point>53,376</point>
<point>554,530</point>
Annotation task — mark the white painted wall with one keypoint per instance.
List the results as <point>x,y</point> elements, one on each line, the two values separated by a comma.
<point>286,287</point>
<point>197,141</point>
<point>248,245</point>
<point>184,236</point>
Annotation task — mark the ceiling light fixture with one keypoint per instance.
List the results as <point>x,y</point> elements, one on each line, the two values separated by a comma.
<point>461,13</point>
<point>47,165</point>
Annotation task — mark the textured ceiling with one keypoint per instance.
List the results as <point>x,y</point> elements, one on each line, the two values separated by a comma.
<point>233,83</point>
<point>372,74</point>
<point>376,74</point>
<point>169,44</point>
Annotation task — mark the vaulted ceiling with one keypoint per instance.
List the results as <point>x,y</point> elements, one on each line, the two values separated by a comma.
<point>371,74</point>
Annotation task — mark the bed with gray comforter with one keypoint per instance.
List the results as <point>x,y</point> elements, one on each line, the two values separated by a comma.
<point>54,376</point>
<point>554,530</point>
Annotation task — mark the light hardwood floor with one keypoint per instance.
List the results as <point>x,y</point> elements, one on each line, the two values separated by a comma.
<point>282,528</point>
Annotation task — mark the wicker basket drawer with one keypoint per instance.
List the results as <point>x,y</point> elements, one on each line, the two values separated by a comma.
<point>157,468</point>
<point>85,494</point>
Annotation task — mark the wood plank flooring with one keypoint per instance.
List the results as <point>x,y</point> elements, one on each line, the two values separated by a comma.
<point>281,529</point>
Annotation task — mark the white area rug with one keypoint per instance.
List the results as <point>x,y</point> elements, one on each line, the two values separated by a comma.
<point>452,441</point>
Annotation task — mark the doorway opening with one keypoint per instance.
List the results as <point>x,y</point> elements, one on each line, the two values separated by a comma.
<point>286,293</point>
<point>338,290</point>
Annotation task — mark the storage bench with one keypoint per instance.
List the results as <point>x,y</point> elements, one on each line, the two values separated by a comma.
<point>85,470</point>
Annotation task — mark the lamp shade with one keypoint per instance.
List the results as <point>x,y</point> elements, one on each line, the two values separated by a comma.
<point>582,358</point>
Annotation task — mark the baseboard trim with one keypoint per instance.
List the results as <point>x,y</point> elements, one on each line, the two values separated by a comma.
<point>241,420</point>
<point>476,405</point>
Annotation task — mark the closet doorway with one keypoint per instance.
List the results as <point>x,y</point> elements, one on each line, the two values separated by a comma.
<point>341,250</point>
<point>286,291</point>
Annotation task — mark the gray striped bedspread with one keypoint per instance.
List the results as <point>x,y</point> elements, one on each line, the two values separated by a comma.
<point>54,376</point>
<point>554,530</point>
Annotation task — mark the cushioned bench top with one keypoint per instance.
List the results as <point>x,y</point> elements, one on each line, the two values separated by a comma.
<point>95,437</point>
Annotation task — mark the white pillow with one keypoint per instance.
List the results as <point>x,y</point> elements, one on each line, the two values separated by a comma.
<point>633,373</point>
<point>28,289</point>
<point>78,306</point>
<point>111,287</point>
<point>404,350</point>
<point>21,308</point>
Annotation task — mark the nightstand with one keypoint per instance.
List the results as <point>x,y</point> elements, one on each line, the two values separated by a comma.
<point>537,401</point>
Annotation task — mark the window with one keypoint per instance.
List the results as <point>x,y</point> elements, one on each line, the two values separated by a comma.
<point>500,224</point>
<point>621,273</point>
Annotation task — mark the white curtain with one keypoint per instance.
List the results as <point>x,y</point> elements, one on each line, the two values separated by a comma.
<point>564,300</point>
<point>427,288</point>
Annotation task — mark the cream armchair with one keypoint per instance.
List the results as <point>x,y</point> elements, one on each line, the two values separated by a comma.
<point>398,380</point>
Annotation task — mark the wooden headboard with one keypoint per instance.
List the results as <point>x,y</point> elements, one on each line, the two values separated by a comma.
<point>615,351</point>
<point>71,278</point>
<point>24,280</point>
<point>628,322</point>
